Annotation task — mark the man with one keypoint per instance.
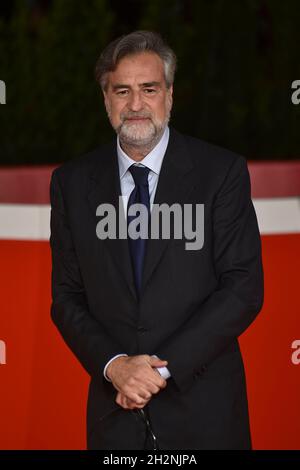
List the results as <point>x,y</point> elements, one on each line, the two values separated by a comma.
<point>155,324</point>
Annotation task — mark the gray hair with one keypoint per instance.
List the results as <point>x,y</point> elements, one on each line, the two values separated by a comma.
<point>135,43</point>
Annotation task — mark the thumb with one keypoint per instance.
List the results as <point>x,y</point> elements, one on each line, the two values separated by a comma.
<point>156,362</point>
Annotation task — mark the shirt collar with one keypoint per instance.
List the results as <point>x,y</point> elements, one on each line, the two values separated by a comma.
<point>153,160</point>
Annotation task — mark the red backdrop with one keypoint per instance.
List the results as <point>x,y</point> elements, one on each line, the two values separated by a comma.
<point>43,388</point>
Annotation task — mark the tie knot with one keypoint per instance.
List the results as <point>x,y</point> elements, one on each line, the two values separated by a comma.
<point>139,174</point>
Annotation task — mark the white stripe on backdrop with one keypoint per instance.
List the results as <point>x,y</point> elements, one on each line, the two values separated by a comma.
<point>31,221</point>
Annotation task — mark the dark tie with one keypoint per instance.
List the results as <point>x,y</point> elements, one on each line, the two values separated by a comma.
<point>139,195</point>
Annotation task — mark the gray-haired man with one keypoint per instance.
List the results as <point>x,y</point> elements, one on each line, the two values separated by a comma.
<point>156,325</point>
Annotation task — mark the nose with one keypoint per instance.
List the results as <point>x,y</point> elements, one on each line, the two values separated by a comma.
<point>135,102</point>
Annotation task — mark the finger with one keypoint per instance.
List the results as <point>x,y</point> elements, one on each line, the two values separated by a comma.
<point>122,401</point>
<point>129,404</point>
<point>142,391</point>
<point>125,403</point>
<point>119,400</point>
<point>157,380</point>
<point>156,362</point>
<point>137,399</point>
<point>152,387</point>
<point>132,405</point>
<point>150,383</point>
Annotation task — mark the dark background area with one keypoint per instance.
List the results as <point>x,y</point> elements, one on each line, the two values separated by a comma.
<point>236,63</point>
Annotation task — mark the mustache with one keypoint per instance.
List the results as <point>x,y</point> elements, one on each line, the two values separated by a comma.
<point>138,115</point>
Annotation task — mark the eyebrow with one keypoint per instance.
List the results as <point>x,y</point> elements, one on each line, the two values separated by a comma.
<point>117,86</point>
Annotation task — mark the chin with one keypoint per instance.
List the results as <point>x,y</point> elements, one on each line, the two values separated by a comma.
<point>137,134</point>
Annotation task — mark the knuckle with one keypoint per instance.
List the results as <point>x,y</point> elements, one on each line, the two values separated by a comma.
<point>133,398</point>
<point>130,381</point>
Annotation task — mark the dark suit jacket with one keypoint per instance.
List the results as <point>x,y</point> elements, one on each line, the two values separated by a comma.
<point>193,307</point>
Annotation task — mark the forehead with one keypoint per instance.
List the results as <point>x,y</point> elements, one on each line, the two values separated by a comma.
<point>138,68</point>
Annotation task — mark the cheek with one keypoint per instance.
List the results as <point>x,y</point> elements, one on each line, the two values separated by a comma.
<point>163,107</point>
<point>115,111</point>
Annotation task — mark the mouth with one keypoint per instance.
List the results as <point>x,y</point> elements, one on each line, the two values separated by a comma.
<point>137,119</point>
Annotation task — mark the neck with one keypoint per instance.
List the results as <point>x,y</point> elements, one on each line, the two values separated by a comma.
<point>138,152</point>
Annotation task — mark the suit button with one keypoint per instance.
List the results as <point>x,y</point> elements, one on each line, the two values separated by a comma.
<point>142,330</point>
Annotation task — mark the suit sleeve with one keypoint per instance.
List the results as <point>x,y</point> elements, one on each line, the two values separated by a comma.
<point>238,298</point>
<point>86,338</point>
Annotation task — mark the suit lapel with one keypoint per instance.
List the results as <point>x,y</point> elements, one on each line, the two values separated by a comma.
<point>104,187</point>
<point>174,184</point>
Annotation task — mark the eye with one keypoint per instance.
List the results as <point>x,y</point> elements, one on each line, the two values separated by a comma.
<point>122,92</point>
<point>149,91</point>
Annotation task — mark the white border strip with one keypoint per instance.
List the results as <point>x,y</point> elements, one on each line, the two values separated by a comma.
<point>24,221</point>
<point>32,221</point>
<point>278,215</point>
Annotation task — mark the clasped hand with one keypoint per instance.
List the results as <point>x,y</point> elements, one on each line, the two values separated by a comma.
<point>136,379</point>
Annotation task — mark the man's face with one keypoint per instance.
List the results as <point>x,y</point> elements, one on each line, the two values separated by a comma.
<point>137,100</point>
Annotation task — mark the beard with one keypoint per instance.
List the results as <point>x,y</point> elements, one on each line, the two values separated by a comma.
<point>143,133</point>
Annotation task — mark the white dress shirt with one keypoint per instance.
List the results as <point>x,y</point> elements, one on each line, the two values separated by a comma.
<point>153,161</point>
